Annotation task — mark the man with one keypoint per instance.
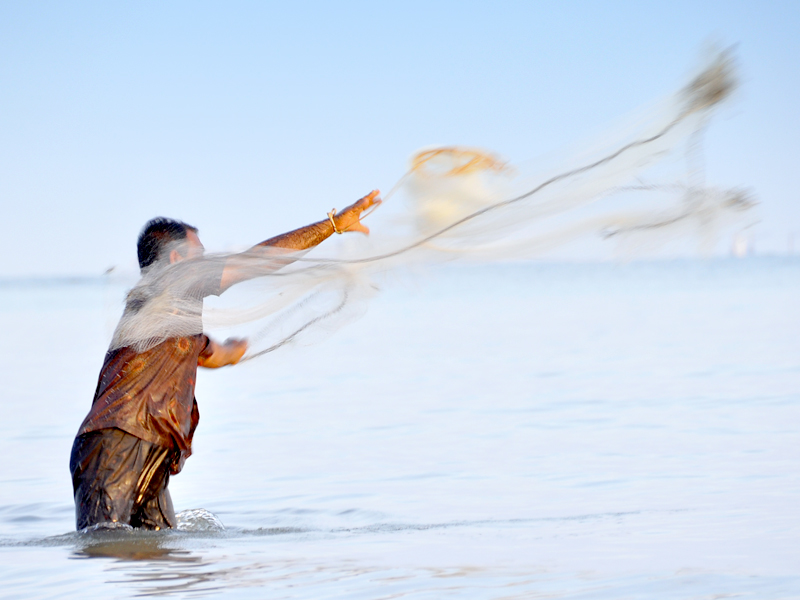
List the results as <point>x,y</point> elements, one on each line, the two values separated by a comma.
<point>143,417</point>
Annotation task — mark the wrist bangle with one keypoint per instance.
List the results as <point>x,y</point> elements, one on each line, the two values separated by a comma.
<point>330,218</point>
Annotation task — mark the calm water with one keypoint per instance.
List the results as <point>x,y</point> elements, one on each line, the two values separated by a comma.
<point>559,431</point>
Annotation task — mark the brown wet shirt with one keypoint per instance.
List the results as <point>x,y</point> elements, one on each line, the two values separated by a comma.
<point>150,394</point>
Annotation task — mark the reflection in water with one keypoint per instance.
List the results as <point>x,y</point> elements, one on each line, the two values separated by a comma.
<point>156,565</point>
<point>326,562</point>
<point>150,567</point>
<point>134,549</point>
<point>168,572</point>
<point>125,543</point>
<point>145,557</point>
<point>166,563</point>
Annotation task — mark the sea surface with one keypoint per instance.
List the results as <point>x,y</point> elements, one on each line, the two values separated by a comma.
<point>605,431</point>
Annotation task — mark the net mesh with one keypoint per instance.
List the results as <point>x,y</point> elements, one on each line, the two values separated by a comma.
<point>640,186</point>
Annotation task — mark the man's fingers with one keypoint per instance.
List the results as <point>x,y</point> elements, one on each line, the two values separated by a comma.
<point>365,202</point>
<point>236,344</point>
<point>369,199</point>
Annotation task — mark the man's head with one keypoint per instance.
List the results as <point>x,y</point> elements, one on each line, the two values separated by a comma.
<point>162,238</point>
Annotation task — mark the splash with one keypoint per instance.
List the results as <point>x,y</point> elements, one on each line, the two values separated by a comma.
<point>639,187</point>
<point>199,520</point>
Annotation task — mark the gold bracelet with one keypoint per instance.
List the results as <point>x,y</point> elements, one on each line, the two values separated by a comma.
<point>330,218</point>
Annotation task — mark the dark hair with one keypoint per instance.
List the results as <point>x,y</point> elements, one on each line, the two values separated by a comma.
<point>156,235</point>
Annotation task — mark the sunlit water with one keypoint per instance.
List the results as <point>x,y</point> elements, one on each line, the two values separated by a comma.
<point>559,431</point>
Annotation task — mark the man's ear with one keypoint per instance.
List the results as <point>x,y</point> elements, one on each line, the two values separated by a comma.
<point>175,256</point>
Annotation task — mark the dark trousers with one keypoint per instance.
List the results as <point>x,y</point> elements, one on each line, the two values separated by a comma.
<point>118,478</point>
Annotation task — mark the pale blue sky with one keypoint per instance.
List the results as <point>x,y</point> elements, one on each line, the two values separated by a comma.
<point>250,118</point>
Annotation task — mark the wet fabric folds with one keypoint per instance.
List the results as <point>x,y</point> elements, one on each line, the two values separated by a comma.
<point>151,394</point>
<point>119,479</point>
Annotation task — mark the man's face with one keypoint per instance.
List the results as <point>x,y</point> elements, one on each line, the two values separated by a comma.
<point>191,247</point>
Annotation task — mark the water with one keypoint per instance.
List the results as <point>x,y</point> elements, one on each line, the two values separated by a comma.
<point>559,431</point>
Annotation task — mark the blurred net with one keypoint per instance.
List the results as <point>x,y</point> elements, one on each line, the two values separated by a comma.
<point>641,186</point>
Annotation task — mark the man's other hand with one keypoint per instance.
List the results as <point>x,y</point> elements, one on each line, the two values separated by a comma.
<point>219,355</point>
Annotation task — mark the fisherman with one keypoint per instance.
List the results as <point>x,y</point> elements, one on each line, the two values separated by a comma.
<point>143,417</point>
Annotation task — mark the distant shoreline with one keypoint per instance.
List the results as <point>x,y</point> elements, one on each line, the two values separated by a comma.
<point>122,278</point>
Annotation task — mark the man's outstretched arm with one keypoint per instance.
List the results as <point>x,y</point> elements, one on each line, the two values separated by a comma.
<point>346,220</point>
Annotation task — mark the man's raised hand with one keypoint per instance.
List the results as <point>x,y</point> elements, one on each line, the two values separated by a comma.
<point>349,219</point>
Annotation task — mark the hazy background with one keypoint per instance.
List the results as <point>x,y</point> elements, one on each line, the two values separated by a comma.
<point>251,118</point>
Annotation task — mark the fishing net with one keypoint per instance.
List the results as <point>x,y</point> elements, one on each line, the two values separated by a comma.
<point>640,186</point>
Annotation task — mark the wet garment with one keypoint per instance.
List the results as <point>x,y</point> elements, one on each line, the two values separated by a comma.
<point>118,478</point>
<point>139,429</point>
<point>150,394</point>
